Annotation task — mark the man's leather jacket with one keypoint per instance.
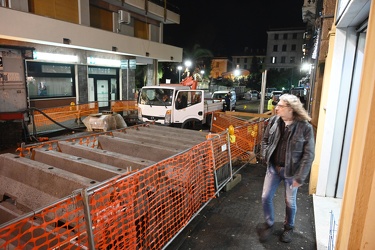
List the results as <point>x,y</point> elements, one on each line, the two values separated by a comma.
<point>299,151</point>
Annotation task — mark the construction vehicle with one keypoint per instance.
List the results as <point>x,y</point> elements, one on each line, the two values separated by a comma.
<point>180,105</point>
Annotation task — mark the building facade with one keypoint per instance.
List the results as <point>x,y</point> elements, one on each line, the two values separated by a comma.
<point>284,48</point>
<point>247,60</point>
<point>81,50</point>
<point>343,81</point>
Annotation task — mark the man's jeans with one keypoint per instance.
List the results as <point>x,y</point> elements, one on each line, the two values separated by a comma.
<point>271,182</point>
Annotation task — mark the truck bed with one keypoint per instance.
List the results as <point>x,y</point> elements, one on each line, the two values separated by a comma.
<point>213,106</point>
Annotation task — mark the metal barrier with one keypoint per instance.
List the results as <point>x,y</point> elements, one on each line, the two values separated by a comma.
<point>143,209</point>
<point>51,119</point>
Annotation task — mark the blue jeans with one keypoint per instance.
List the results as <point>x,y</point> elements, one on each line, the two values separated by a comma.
<point>271,182</point>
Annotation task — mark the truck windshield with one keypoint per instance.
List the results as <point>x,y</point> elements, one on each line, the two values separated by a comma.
<point>156,96</point>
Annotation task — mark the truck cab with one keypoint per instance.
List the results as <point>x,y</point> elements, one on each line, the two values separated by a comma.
<point>172,105</point>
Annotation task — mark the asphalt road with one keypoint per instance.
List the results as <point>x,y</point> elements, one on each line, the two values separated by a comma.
<point>229,221</point>
<point>252,106</point>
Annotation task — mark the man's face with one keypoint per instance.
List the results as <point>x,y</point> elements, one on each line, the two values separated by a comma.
<point>283,110</point>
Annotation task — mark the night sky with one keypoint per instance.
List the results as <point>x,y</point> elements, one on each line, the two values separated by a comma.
<point>227,27</point>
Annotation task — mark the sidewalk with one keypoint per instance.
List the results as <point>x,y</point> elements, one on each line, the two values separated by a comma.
<point>229,221</point>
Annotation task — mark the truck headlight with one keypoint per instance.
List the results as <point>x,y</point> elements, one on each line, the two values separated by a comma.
<point>167,119</point>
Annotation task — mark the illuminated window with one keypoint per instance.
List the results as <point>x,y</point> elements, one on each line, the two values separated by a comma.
<point>50,80</point>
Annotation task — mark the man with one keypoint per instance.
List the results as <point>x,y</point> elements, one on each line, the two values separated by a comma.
<point>271,104</point>
<point>288,150</point>
<point>227,102</point>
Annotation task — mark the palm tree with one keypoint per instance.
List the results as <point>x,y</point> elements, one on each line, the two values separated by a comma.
<point>200,57</point>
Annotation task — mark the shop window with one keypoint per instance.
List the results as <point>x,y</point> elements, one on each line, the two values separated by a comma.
<point>50,80</point>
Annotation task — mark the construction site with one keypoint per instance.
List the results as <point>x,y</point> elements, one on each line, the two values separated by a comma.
<point>134,187</point>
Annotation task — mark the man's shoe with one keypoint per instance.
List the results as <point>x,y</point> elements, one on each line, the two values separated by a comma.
<point>287,235</point>
<point>265,231</point>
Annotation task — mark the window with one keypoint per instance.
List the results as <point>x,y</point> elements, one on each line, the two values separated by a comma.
<point>294,35</point>
<point>292,59</point>
<point>285,36</point>
<point>50,80</point>
<point>284,47</point>
<point>274,47</point>
<point>276,36</point>
<point>245,60</point>
<point>156,96</point>
<point>293,48</point>
<point>283,59</point>
<point>273,59</point>
<point>238,60</point>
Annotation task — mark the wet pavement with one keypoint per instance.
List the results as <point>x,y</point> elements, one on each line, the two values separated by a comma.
<point>230,221</point>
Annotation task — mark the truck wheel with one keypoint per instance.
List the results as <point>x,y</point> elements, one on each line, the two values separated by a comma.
<point>192,124</point>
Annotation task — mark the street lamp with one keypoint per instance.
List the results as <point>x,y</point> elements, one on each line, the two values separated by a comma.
<point>179,67</point>
<point>188,63</point>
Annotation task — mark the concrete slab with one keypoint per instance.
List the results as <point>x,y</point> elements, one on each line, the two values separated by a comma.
<point>162,137</point>
<point>34,184</point>
<point>107,157</point>
<point>178,131</point>
<point>152,152</point>
<point>90,169</point>
<point>146,138</point>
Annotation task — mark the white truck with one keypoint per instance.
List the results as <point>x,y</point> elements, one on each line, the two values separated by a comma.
<point>176,105</point>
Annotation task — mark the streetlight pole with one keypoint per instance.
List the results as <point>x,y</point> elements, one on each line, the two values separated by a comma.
<point>202,73</point>
<point>188,64</point>
<point>179,67</point>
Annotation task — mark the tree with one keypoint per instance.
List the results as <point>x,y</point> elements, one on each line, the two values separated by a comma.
<point>200,57</point>
<point>283,78</point>
<point>255,77</point>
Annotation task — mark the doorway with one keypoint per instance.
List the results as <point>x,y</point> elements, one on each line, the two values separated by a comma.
<point>102,89</point>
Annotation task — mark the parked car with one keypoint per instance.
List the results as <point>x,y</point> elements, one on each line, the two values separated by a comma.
<point>252,95</point>
<point>220,95</point>
<point>269,92</point>
<point>277,93</point>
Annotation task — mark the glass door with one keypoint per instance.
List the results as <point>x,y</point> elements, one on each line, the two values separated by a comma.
<point>102,89</point>
<point>103,94</point>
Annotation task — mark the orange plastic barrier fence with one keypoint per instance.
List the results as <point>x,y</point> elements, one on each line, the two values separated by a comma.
<point>61,225</point>
<point>143,210</point>
<point>127,105</point>
<point>247,135</point>
<point>65,115</point>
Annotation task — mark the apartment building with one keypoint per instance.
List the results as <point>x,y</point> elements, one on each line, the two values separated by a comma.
<point>61,51</point>
<point>284,48</point>
<point>246,60</point>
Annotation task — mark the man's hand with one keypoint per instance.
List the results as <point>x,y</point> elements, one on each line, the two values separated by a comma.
<point>296,184</point>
